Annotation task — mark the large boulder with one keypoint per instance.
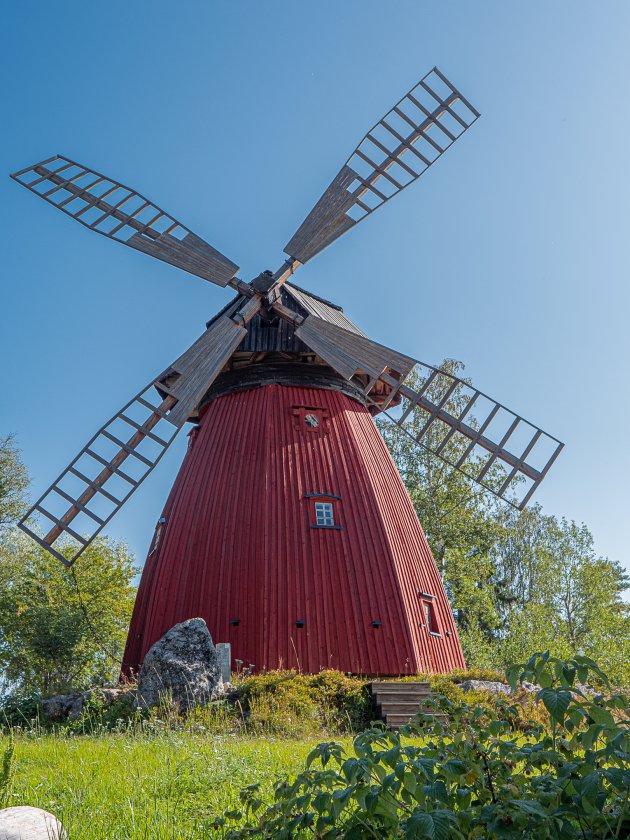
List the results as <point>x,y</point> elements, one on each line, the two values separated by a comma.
<point>182,667</point>
<point>26,823</point>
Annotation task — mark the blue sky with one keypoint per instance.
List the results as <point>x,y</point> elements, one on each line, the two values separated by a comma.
<point>510,254</point>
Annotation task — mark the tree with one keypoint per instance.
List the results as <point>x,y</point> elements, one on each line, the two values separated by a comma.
<point>60,628</point>
<point>14,481</point>
<point>567,599</point>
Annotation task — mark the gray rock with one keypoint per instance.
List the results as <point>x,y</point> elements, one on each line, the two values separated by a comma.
<point>224,652</point>
<point>182,667</point>
<point>61,707</point>
<point>26,823</point>
<point>485,685</point>
<point>64,707</point>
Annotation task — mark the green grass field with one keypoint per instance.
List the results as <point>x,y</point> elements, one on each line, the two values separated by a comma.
<point>158,787</point>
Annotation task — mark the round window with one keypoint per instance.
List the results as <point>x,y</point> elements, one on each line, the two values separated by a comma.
<point>311,420</point>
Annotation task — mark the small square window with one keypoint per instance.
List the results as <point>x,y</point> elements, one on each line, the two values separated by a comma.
<point>324,516</point>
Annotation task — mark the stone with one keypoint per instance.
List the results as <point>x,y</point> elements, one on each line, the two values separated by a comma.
<point>487,686</point>
<point>224,650</point>
<point>26,823</point>
<point>182,667</point>
<point>61,707</point>
<point>64,707</point>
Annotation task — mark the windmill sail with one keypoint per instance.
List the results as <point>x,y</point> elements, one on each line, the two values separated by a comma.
<point>489,443</point>
<point>117,459</point>
<point>118,212</point>
<point>393,154</point>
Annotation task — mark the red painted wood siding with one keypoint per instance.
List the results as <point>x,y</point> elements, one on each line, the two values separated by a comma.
<point>238,543</point>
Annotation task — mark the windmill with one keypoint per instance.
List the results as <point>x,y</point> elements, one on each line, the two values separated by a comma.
<point>289,528</point>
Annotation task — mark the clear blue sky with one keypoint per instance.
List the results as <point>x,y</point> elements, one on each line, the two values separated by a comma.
<point>511,254</point>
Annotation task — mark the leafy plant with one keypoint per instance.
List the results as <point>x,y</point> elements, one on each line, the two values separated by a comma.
<point>475,777</point>
<point>294,704</point>
<point>7,772</point>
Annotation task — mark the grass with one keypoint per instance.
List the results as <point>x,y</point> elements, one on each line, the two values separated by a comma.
<point>165,778</point>
<point>163,786</point>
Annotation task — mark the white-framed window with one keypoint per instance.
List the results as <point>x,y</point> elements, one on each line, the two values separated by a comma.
<point>430,618</point>
<point>324,516</point>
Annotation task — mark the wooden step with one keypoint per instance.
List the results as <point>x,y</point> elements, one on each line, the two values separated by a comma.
<point>400,697</point>
<point>395,721</point>
<point>401,708</point>
<point>400,686</point>
<point>398,703</point>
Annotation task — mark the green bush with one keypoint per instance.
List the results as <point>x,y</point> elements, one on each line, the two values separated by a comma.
<point>293,704</point>
<point>476,777</point>
<point>20,712</point>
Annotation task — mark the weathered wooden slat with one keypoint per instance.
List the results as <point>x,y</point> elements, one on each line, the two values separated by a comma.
<point>535,438</point>
<point>332,215</point>
<point>129,449</point>
<point>189,253</point>
<point>327,220</point>
<point>78,505</point>
<point>135,425</point>
<point>476,432</point>
<point>60,525</point>
<point>111,467</point>
<point>460,418</point>
<point>201,364</point>
<point>97,488</point>
<point>349,353</point>
<point>500,447</point>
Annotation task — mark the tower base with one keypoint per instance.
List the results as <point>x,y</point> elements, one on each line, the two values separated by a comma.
<point>290,531</point>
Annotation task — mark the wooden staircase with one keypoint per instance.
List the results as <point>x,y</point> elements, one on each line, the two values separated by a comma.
<point>398,702</point>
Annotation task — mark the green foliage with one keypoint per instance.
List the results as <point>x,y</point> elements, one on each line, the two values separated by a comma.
<point>97,716</point>
<point>567,599</point>
<point>289,703</point>
<point>63,629</point>
<point>19,711</point>
<point>7,772</point>
<point>477,777</point>
<point>14,481</point>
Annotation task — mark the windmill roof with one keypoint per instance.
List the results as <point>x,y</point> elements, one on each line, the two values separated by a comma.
<point>311,305</point>
<point>321,308</point>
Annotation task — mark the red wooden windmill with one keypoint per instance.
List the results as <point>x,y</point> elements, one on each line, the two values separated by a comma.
<point>288,528</point>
